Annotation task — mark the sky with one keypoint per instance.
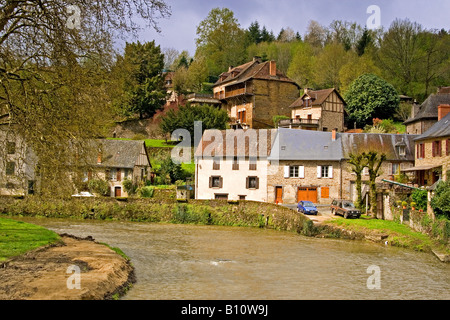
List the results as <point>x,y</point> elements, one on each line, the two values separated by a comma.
<point>179,31</point>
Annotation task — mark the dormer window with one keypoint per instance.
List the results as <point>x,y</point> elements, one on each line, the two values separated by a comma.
<point>402,151</point>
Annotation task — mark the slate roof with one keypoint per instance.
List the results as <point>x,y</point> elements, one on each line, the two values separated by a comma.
<point>258,143</point>
<point>293,144</point>
<point>384,143</point>
<point>439,130</point>
<point>255,69</point>
<point>429,109</point>
<point>119,153</point>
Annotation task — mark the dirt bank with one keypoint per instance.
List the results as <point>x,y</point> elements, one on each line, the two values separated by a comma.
<point>42,274</point>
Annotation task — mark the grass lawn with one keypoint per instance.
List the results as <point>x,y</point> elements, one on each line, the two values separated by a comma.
<point>17,238</point>
<point>152,143</point>
<point>399,234</point>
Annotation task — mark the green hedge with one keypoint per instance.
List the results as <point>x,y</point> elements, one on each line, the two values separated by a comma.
<point>243,213</point>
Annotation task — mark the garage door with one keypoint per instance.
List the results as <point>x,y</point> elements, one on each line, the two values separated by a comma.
<point>307,194</point>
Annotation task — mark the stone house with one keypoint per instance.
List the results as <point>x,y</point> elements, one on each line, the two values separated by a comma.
<point>322,110</point>
<point>233,165</point>
<point>425,116</point>
<point>254,93</point>
<point>18,175</point>
<point>307,166</point>
<point>117,161</point>
<point>433,152</point>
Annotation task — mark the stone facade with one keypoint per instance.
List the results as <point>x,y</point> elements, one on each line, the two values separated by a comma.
<point>439,162</point>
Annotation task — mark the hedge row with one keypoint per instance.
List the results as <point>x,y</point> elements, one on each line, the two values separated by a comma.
<point>222,213</point>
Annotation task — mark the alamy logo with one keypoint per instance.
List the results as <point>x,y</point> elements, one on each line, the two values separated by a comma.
<point>374,21</point>
<point>74,19</point>
<point>374,281</point>
<point>74,281</point>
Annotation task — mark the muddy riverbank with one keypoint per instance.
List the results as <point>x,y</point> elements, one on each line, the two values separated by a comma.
<point>50,273</point>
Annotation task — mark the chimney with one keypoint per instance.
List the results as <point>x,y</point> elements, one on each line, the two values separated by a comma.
<point>334,134</point>
<point>273,68</point>
<point>257,59</point>
<point>99,158</point>
<point>443,111</point>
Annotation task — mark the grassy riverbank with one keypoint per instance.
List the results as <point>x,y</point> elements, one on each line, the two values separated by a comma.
<point>17,238</point>
<point>394,233</point>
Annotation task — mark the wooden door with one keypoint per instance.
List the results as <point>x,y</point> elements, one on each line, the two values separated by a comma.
<point>307,194</point>
<point>118,192</point>
<point>279,195</point>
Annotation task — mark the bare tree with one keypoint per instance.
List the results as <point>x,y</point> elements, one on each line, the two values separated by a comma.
<point>54,61</point>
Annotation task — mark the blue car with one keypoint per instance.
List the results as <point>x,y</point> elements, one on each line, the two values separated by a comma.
<point>307,207</point>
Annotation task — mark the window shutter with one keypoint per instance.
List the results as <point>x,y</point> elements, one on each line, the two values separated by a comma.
<point>319,172</point>
<point>210,182</point>
<point>247,183</point>
<point>257,183</point>
<point>286,172</point>
<point>221,182</point>
<point>301,172</point>
<point>330,172</point>
<point>391,168</point>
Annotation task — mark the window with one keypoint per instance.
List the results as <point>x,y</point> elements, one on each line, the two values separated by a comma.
<point>421,151</point>
<point>253,165</point>
<point>216,182</point>
<point>10,168</point>
<point>235,163</point>
<point>216,164</point>
<point>402,151</point>
<point>242,198</point>
<point>10,186</point>
<point>448,147</point>
<point>221,196</point>
<point>11,148</point>
<point>113,175</point>
<point>437,148</point>
<point>127,174</point>
<point>325,172</point>
<point>395,168</point>
<point>252,183</point>
<point>295,172</point>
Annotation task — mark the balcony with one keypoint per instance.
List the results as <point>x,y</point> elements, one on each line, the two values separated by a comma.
<point>296,123</point>
<point>233,93</point>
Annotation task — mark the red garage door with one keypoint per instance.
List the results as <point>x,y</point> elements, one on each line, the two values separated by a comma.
<point>307,194</point>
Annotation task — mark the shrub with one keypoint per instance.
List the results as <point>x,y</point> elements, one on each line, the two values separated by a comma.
<point>100,187</point>
<point>420,197</point>
<point>441,199</point>
<point>146,192</point>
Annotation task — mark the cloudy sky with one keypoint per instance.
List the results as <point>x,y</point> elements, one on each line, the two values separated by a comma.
<point>179,31</point>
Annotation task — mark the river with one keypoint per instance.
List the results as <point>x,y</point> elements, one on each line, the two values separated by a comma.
<point>184,262</point>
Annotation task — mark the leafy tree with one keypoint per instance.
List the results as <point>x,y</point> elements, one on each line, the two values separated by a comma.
<point>144,89</point>
<point>369,97</point>
<point>54,71</point>
<point>358,162</point>
<point>184,118</point>
<point>328,64</point>
<point>301,69</point>
<point>374,163</point>
<point>441,199</point>
<point>316,35</point>
<point>221,40</point>
<point>364,41</point>
<point>171,171</point>
<point>420,197</point>
<point>267,36</point>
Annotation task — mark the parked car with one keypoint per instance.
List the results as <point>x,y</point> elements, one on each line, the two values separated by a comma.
<point>83,195</point>
<point>345,208</point>
<point>307,207</point>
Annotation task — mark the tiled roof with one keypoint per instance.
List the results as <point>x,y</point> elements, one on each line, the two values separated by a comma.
<point>251,70</point>
<point>317,97</point>
<point>119,153</point>
<point>440,130</point>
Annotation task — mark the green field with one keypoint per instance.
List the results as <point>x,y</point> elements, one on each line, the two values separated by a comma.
<point>153,143</point>
<point>17,238</point>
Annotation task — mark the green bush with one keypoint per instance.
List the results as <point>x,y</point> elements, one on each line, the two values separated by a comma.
<point>420,197</point>
<point>146,192</point>
<point>441,199</point>
<point>100,187</point>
